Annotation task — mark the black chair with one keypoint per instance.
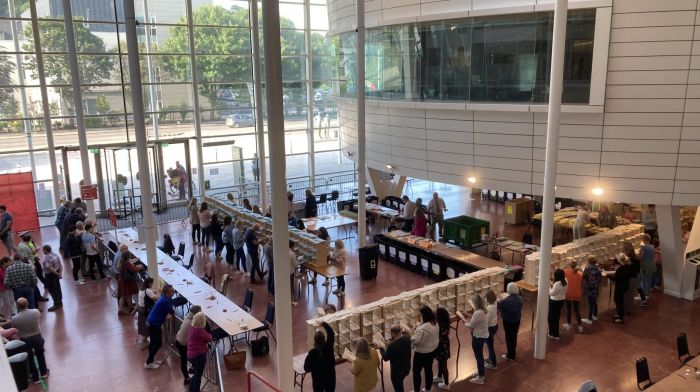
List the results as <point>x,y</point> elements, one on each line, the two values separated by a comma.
<point>189,266</point>
<point>683,351</point>
<point>267,323</point>
<point>335,195</point>
<point>248,301</point>
<point>113,246</point>
<point>322,200</point>
<point>643,378</point>
<point>180,252</point>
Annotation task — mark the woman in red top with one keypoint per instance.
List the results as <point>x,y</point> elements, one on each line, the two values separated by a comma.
<point>574,288</point>
<point>197,349</point>
<point>127,282</point>
<point>420,223</point>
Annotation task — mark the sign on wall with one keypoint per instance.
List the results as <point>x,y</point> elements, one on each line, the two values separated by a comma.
<point>88,192</point>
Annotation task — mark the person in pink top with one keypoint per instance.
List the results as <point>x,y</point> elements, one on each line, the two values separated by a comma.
<point>420,223</point>
<point>197,341</point>
<point>574,289</point>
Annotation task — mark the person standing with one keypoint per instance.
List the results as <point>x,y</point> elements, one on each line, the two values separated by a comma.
<point>647,267</point>
<point>364,367</point>
<point>182,340</point>
<point>215,231</point>
<point>511,309</point>
<point>606,218</point>
<point>238,241</point>
<point>194,221</point>
<point>20,276</point>
<point>338,258</point>
<point>252,243</point>
<point>442,354</point>
<point>310,207</point>
<point>61,215</point>
<point>92,253</point>
<point>7,299</point>
<point>582,219</point>
<point>398,354</point>
<point>574,288</point>
<point>269,259</point>
<point>420,223</point>
<point>160,312</point>
<point>492,317</point>
<point>479,325</point>
<point>636,268</point>
<point>27,250</point>
<point>6,230</point>
<point>227,240</point>
<point>407,214</point>
<point>205,224</point>
<point>127,284</point>
<point>557,296</point>
<point>74,250</point>
<point>53,273</point>
<point>146,299</point>
<point>591,283</point>
<point>256,168</point>
<point>293,264</point>
<point>320,361</point>
<point>424,340</point>
<point>27,323</point>
<point>182,180</point>
<point>623,275</point>
<point>436,211</point>
<point>197,341</point>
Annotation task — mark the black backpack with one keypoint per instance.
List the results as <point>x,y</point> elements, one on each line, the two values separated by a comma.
<point>260,347</point>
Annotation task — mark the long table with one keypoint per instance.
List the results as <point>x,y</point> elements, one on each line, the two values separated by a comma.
<point>218,308</point>
<point>680,380</point>
<point>439,262</point>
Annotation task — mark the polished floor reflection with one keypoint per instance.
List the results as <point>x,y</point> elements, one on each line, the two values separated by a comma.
<point>89,348</point>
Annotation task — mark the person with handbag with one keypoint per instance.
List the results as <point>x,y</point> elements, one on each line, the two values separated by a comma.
<point>160,312</point>
<point>127,283</point>
<point>182,340</point>
<point>197,341</point>
<point>320,361</point>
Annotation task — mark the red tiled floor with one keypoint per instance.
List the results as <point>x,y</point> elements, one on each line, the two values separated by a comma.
<point>90,349</point>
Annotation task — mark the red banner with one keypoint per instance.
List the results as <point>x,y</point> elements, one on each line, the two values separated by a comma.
<point>88,192</point>
<point>112,217</point>
<point>17,194</point>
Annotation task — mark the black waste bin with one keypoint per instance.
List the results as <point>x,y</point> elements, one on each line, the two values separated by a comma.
<point>369,261</point>
<point>20,370</point>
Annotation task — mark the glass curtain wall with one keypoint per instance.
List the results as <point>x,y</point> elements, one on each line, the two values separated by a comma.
<point>224,86</point>
<point>484,59</point>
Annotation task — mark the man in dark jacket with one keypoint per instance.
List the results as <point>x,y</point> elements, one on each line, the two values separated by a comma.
<point>74,217</point>
<point>321,361</point>
<point>398,354</point>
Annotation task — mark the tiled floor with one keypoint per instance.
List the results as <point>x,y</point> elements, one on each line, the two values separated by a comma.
<point>90,349</point>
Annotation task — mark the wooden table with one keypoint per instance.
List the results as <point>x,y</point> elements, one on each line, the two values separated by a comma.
<point>513,246</point>
<point>329,221</point>
<point>531,292</point>
<point>220,310</point>
<point>680,380</point>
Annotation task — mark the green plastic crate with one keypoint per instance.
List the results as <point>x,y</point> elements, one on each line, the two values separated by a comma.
<point>465,231</point>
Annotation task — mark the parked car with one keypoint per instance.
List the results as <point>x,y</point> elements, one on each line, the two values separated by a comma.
<point>240,120</point>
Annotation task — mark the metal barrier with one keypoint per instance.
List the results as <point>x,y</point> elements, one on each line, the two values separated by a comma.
<point>212,370</point>
<point>268,384</point>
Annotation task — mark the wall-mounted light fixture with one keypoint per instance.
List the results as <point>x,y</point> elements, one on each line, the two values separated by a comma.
<point>390,166</point>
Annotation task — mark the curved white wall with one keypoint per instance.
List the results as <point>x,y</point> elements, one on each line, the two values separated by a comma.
<point>642,143</point>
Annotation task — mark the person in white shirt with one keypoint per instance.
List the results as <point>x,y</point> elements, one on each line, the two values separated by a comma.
<point>492,316</point>
<point>478,323</point>
<point>557,294</point>
<point>145,301</point>
<point>338,257</point>
<point>582,219</point>
<point>406,216</point>
<point>436,210</point>
<point>424,341</point>
<point>293,263</point>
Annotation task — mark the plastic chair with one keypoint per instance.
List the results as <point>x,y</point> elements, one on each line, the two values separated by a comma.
<point>189,266</point>
<point>322,200</point>
<point>643,378</point>
<point>683,351</point>
<point>112,246</point>
<point>248,300</point>
<point>335,195</point>
<point>180,252</point>
<point>267,323</point>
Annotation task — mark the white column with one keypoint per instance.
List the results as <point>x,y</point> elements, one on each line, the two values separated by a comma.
<point>140,135</point>
<point>259,114</point>
<point>668,219</point>
<point>195,100</point>
<point>550,174</point>
<point>152,94</point>
<point>280,230</point>
<point>361,163</point>
<point>310,95</point>
<point>78,101</point>
<point>45,103</point>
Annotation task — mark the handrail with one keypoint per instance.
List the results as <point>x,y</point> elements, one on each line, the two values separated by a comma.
<point>249,377</point>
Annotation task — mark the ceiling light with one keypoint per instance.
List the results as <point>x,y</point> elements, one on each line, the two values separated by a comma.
<point>598,191</point>
<point>389,166</point>
<point>471,180</point>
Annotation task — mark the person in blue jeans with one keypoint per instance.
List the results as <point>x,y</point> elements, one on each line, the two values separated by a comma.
<point>647,267</point>
<point>162,310</point>
<point>478,323</point>
<point>238,241</point>
<point>591,283</point>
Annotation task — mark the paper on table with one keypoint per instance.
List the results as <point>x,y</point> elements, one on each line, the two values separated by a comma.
<point>349,355</point>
